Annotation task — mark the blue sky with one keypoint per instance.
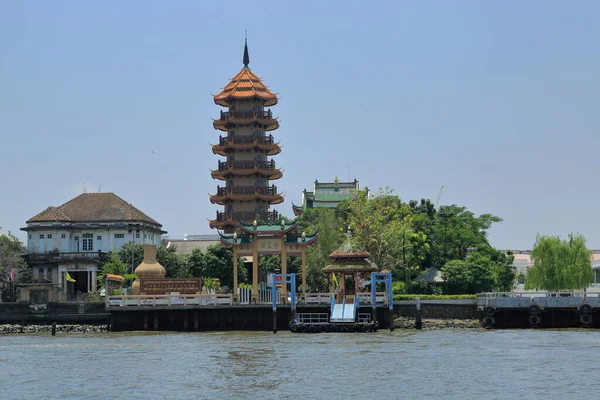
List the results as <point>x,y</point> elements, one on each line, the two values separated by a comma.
<point>493,100</point>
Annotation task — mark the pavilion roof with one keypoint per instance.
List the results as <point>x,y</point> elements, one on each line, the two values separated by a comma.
<point>266,228</point>
<point>231,239</point>
<point>351,266</point>
<point>348,252</point>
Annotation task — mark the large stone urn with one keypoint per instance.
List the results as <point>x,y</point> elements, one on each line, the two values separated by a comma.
<point>148,268</point>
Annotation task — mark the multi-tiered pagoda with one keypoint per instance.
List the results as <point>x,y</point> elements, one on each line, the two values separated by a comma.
<point>246,173</point>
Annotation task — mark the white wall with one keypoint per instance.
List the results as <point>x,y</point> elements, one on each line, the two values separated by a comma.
<point>103,239</point>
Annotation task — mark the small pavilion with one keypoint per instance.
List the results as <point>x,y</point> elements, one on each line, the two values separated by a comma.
<point>348,262</point>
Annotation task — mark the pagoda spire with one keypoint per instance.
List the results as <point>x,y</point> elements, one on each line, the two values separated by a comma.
<point>246,56</point>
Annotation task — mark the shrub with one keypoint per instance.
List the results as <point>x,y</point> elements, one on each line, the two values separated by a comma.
<point>435,296</point>
<point>398,288</point>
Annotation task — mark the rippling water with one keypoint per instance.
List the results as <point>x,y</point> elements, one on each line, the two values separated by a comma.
<point>451,364</point>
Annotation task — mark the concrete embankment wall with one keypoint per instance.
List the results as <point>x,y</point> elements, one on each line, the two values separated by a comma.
<point>61,313</point>
<point>438,309</point>
<point>205,318</point>
<point>235,318</point>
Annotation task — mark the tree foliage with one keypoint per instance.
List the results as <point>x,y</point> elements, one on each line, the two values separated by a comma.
<point>560,264</point>
<point>408,238</point>
<point>11,258</point>
<point>216,262</point>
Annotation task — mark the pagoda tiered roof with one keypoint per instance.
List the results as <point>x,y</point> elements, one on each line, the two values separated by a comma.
<point>245,85</point>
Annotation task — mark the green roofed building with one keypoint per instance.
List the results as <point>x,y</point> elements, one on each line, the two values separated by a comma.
<point>326,194</point>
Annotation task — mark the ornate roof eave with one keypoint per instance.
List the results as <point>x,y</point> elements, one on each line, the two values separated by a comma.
<point>272,199</point>
<point>272,174</point>
<point>307,239</point>
<point>349,268</point>
<point>222,224</point>
<point>273,149</point>
<point>274,228</point>
<point>298,210</point>
<point>269,102</point>
<point>269,124</point>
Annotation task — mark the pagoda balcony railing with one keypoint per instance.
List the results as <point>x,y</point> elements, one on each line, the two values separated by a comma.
<point>223,141</point>
<point>250,164</point>
<point>247,190</point>
<point>242,216</point>
<point>227,115</point>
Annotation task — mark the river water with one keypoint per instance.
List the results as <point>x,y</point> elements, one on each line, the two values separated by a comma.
<point>448,364</point>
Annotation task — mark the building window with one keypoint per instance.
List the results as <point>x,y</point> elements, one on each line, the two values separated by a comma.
<point>40,273</point>
<point>119,236</point>
<point>41,236</point>
<point>258,158</point>
<point>76,238</point>
<point>29,236</point>
<point>49,274</point>
<point>63,236</point>
<point>137,235</point>
<point>256,107</point>
<point>260,183</point>
<point>260,208</point>
<point>257,133</point>
<point>144,236</point>
<point>98,237</point>
<point>88,242</point>
<point>49,236</point>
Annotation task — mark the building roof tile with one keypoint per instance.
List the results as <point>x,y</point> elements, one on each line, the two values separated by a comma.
<point>93,207</point>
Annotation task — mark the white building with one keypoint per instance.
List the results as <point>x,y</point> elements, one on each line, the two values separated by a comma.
<point>76,236</point>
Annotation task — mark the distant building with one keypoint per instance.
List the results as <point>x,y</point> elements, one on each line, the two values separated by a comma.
<point>326,194</point>
<point>75,237</point>
<point>189,243</point>
<point>523,261</point>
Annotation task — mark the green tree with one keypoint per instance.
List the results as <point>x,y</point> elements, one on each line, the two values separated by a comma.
<point>506,272</point>
<point>326,222</point>
<point>560,264</point>
<point>11,258</point>
<point>117,267</point>
<point>383,227</point>
<point>457,231</point>
<point>217,262</point>
<point>175,264</point>
<point>476,274</point>
<point>131,254</point>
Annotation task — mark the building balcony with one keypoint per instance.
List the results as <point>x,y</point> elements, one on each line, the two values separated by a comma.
<point>250,167</point>
<point>226,140</point>
<point>265,143</point>
<point>247,193</point>
<point>247,216</point>
<point>264,118</point>
<point>249,114</point>
<point>244,165</point>
<point>247,190</point>
<point>56,256</point>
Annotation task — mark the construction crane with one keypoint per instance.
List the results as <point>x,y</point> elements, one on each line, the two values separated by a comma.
<point>437,202</point>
